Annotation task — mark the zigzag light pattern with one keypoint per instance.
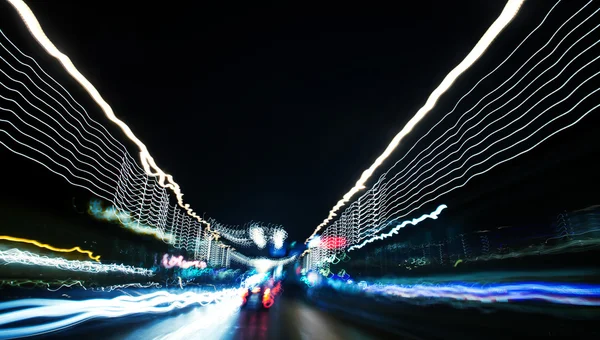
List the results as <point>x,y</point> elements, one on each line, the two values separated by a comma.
<point>47,246</point>
<point>510,11</point>
<point>148,163</point>
<point>41,121</point>
<point>34,313</point>
<point>16,256</point>
<point>540,96</point>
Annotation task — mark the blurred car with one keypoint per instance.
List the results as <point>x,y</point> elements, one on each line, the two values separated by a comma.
<point>261,296</point>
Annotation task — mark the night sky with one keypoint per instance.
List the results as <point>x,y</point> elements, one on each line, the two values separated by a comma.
<point>272,112</point>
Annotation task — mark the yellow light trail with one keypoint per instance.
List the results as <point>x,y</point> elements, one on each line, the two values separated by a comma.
<point>508,13</point>
<point>47,246</point>
<point>146,159</point>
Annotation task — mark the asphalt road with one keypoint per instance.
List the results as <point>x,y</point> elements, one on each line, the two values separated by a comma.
<point>331,316</point>
<point>289,318</point>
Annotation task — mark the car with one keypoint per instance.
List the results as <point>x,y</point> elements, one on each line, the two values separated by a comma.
<point>261,296</point>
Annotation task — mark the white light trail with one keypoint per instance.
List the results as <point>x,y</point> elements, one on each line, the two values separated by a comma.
<point>108,289</point>
<point>491,144</point>
<point>71,312</point>
<point>250,235</point>
<point>16,256</point>
<point>41,284</point>
<point>413,172</point>
<point>87,120</point>
<point>146,159</point>
<point>81,150</point>
<point>508,13</point>
<point>489,134</point>
<point>262,264</point>
<point>104,190</point>
<point>434,215</point>
<point>508,132</point>
<point>70,139</point>
<point>217,318</point>
<point>48,126</point>
<point>254,280</point>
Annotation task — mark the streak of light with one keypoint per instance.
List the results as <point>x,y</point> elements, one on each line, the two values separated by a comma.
<point>560,293</point>
<point>148,163</point>
<point>513,145</point>
<point>216,320</point>
<point>269,296</point>
<point>348,217</point>
<point>434,215</point>
<point>261,263</point>
<point>112,214</point>
<point>508,13</point>
<point>119,180</point>
<point>109,289</point>
<point>47,246</point>
<point>72,312</point>
<point>16,256</point>
<point>506,137</point>
<point>67,285</point>
<point>254,280</point>
<point>430,293</point>
<point>41,284</point>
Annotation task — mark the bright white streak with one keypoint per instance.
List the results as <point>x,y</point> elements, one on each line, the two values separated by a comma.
<point>27,258</point>
<point>74,312</point>
<point>262,262</point>
<point>146,159</point>
<point>370,192</point>
<point>365,207</point>
<point>434,215</point>
<point>481,130</point>
<point>514,120</point>
<point>508,13</point>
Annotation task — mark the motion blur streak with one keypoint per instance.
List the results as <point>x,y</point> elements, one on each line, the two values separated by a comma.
<point>75,312</point>
<point>560,293</point>
<point>16,256</point>
<point>214,320</point>
<point>109,289</point>
<point>434,215</point>
<point>390,200</point>
<point>146,159</point>
<point>262,264</point>
<point>178,261</point>
<point>510,11</point>
<point>112,214</point>
<point>47,246</point>
<point>269,296</point>
<point>41,284</point>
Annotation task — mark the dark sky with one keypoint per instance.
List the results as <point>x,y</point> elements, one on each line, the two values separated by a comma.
<point>268,112</point>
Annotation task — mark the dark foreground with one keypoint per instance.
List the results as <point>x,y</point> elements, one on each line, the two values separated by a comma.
<point>328,315</point>
<point>289,318</point>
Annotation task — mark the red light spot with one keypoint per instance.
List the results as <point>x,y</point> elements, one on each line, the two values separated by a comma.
<point>333,242</point>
